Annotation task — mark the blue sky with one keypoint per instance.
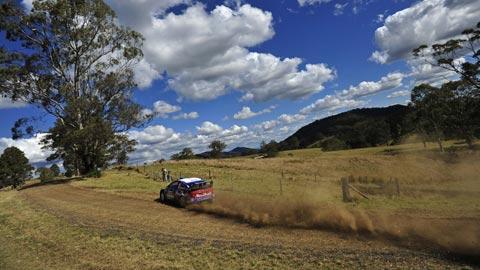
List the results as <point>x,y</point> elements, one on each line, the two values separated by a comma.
<point>245,71</point>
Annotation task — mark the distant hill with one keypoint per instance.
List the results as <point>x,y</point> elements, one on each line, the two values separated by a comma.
<point>353,129</point>
<point>242,151</point>
<point>236,152</point>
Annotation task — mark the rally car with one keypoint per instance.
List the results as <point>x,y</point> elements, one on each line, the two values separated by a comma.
<point>187,191</point>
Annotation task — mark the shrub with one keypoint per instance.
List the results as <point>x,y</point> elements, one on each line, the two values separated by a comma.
<point>333,144</point>
<point>68,173</point>
<point>46,175</point>
<point>270,149</point>
<point>55,170</point>
<point>186,153</point>
<point>94,174</point>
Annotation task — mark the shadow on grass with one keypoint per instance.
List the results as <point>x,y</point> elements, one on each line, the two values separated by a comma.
<point>169,204</point>
<point>53,182</point>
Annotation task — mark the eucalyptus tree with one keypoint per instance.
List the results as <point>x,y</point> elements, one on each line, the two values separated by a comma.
<point>431,110</point>
<point>73,60</point>
<point>460,55</point>
<point>216,148</point>
<point>455,106</point>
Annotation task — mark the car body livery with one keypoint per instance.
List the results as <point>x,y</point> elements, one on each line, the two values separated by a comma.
<point>187,191</point>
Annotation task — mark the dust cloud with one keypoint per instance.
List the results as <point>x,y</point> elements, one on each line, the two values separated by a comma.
<point>461,237</point>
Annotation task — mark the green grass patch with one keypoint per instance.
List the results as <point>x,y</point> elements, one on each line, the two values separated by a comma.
<point>114,180</point>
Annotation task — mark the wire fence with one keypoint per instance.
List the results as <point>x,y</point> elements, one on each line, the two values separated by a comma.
<point>274,183</point>
<point>264,183</point>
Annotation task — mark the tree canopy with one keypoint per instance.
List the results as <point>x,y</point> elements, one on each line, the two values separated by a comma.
<point>76,63</point>
<point>453,109</point>
<point>216,148</point>
<point>333,144</point>
<point>270,149</point>
<point>14,167</point>
<point>186,153</point>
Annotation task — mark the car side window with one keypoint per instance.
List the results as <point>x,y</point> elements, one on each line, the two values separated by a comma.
<point>182,187</point>
<point>173,186</point>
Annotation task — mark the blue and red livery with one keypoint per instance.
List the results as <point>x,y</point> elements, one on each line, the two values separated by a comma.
<point>187,191</point>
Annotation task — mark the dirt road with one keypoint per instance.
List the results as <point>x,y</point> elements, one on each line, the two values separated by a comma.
<point>151,220</point>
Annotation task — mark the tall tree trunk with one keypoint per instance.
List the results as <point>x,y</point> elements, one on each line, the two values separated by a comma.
<point>77,165</point>
<point>423,136</point>
<point>439,136</point>
<point>469,141</point>
<point>440,144</point>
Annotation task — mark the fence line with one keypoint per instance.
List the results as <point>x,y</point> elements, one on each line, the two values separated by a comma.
<point>288,183</point>
<point>376,185</point>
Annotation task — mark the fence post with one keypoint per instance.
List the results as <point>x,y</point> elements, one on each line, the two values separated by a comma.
<point>281,184</point>
<point>209,174</point>
<point>345,190</point>
<point>397,184</point>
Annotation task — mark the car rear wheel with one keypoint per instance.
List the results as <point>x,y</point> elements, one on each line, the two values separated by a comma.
<point>183,201</point>
<point>162,196</point>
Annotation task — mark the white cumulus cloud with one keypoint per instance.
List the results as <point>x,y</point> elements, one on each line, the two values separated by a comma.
<point>349,98</point>
<point>154,134</point>
<point>392,80</point>
<point>190,115</point>
<point>423,72</point>
<point>206,55</point>
<point>339,8</point>
<point>331,103</point>
<point>158,142</point>
<point>267,125</point>
<point>400,93</point>
<point>208,128</point>
<point>311,2</point>
<point>425,22</point>
<point>163,109</point>
<point>30,146</point>
<point>145,74</point>
<point>246,112</point>
<point>234,130</point>
<point>289,118</point>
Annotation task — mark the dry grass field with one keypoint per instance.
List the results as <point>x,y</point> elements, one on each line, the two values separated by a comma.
<point>430,183</point>
<point>260,220</point>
